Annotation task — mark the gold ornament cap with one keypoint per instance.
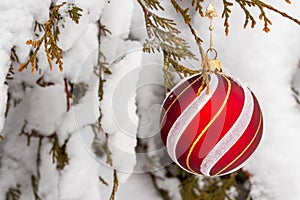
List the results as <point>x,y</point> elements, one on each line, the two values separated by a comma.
<point>211,11</point>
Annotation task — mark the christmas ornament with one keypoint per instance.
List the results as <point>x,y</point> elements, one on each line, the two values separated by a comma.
<point>211,123</point>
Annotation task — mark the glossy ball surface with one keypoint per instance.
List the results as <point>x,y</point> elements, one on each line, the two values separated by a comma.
<point>211,133</point>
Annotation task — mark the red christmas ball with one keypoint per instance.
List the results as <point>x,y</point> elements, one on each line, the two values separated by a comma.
<point>211,133</point>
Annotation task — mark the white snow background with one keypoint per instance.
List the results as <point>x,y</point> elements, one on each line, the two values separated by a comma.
<point>268,63</point>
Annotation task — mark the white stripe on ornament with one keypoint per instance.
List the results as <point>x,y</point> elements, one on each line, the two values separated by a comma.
<point>232,136</point>
<point>187,116</point>
<point>175,87</point>
<point>238,167</point>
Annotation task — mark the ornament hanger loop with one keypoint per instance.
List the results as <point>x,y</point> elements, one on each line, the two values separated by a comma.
<point>212,50</point>
<point>211,13</point>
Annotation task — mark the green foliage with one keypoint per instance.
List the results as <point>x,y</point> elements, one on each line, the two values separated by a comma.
<point>189,187</point>
<point>35,178</point>
<point>50,38</point>
<point>226,14</point>
<point>35,187</point>
<point>74,13</point>
<point>164,37</point>
<point>59,153</point>
<point>102,67</point>
<point>198,6</point>
<point>163,34</point>
<point>153,4</point>
<point>245,5</point>
<point>164,194</point>
<point>13,193</point>
<point>13,58</point>
<point>184,12</point>
<point>173,64</point>
<point>27,134</point>
<point>101,70</point>
<point>218,188</point>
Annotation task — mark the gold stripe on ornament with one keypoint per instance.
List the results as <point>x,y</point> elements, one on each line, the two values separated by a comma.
<point>181,93</point>
<point>208,125</point>
<point>247,147</point>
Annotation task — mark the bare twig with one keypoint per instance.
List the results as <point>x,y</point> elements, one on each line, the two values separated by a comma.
<point>67,94</point>
<point>115,186</point>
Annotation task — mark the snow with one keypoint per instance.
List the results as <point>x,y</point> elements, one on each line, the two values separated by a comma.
<point>83,168</point>
<point>118,107</point>
<point>267,63</point>
<point>38,106</point>
<point>132,97</point>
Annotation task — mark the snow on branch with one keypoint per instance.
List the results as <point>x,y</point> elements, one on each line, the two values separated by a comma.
<point>50,38</point>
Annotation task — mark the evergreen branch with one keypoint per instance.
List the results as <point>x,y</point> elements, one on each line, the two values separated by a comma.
<point>263,16</point>
<point>115,186</point>
<point>38,159</point>
<point>102,66</point>
<point>165,70</point>
<point>13,58</point>
<point>101,70</point>
<point>59,153</point>
<point>108,152</point>
<point>68,95</point>
<point>34,184</point>
<point>35,179</point>
<point>162,192</point>
<point>247,13</point>
<point>179,67</point>
<point>13,193</point>
<point>244,4</point>
<point>204,64</point>
<point>184,12</point>
<point>153,4</point>
<point>217,188</point>
<point>74,13</point>
<point>34,134</point>
<point>189,187</point>
<point>165,23</point>
<point>163,35</point>
<point>103,181</point>
<point>270,7</point>
<point>50,38</point>
<point>198,40</point>
<point>226,14</point>
<point>198,7</point>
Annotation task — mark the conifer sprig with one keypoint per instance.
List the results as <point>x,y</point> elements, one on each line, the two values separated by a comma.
<point>245,5</point>
<point>163,33</point>
<point>59,153</point>
<point>50,38</point>
<point>198,6</point>
<point>13,193</point>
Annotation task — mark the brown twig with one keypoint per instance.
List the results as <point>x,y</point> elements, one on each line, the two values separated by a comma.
<point>67,94</point>
<point>269,7</point>
<point>199,41</point>
<point>115,186</point>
